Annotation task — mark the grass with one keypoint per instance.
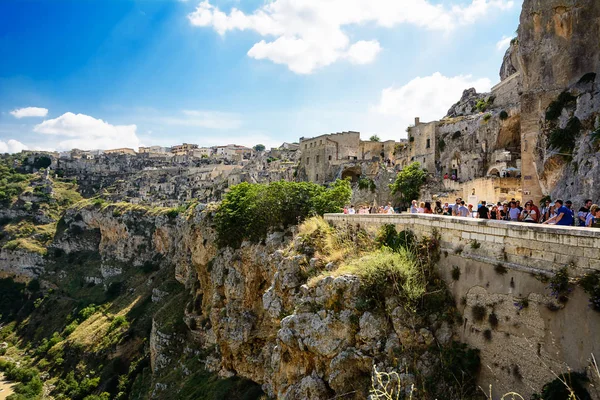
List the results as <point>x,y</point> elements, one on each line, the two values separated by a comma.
<point>384,267</point>
<point>332,245</point>
<point>25,244</point>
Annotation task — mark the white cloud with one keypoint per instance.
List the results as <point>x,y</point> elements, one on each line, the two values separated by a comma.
<point>29,112</point>
<point>503,43</point>
<point>11,146</point>
<point>306,35</point>
<point>428,98</point>
<point>85,132</point>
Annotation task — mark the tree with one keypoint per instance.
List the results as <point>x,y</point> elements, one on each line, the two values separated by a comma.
<point>375,138</point>
<point>408,182</point>
<point>259,147</point>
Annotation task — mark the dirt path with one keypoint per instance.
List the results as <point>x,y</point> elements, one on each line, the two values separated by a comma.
<point>5,388</point>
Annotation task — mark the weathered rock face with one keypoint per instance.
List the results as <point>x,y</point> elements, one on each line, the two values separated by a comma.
<point>466,104</point>
<point>510,61</point>
<point>558,45</point>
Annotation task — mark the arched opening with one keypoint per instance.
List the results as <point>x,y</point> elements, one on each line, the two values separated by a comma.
<point>352,173</point>
<point>494,172</point>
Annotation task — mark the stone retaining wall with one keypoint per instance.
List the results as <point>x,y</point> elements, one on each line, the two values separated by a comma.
<point>500,266</point>
<point>522,246</point>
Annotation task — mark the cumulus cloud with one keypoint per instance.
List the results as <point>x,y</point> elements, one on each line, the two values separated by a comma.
<point>29,112</point>
<point>306,35</point>
<point>503,43</point>
<point>429,97</point>
<point>85,132</point>
<point>11,146</point>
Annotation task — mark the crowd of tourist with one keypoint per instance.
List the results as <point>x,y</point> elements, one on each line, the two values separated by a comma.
<point>558,212</point>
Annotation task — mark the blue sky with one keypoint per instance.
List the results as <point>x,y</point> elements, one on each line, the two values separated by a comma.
<point>114,73</point>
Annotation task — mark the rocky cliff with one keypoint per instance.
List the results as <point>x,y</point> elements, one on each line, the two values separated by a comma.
<point>558,47</point>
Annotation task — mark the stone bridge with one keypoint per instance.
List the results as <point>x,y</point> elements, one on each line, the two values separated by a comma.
<point>504,267</point>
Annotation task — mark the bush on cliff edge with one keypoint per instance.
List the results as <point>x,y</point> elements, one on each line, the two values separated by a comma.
<point>250,211</point>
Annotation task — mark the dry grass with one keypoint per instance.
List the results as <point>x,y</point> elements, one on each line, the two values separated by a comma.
<point>334,245</point>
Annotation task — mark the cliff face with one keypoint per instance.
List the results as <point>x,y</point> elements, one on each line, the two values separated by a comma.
<point>558,46</point>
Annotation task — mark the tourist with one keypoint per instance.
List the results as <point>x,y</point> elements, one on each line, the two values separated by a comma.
<point>551,212</point>
<point>584,212</point>
<point>536,209</point>
<point>462,210</point>
<point>544,213</point>
<point>569,205</point>
<point>483,212</point>
<point>564,216</point>
<point>345,209</point>
<point>518,202</point>
<point>447,211</point>
<point>427,208</point>
<point>438,208</point>
<point>456,207</point>
<point>413,207</point>
<point>471,212</point>
<point>351,210</point>
<point>514,212</point>
<point>596,219</point>
<point>591,215</point>
<point>421,208</point>
<point>494,213</point>
<point>528,214</point>
<point>388,209</point>
<point>446,176</point>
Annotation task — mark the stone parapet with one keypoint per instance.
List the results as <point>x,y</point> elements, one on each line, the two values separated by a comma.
<point>521,246</point>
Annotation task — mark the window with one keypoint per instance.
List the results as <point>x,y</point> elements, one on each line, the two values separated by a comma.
<point>317,159</point>
<point>428,143</point>
<point>305,146</point>
<point>329,158</point>
<point>317,177</point>
<point>307,160</point>
<point>320,142</point>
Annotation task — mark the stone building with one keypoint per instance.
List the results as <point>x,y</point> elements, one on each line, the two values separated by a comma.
<point>183,149</point>
<point>123,150</point>
<point>341,155</point>
<point>154,150</point>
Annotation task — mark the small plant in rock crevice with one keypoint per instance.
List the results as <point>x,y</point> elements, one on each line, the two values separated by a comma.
<point>559,285</point>
<point>500,269</point>
<point>455,273</point>
<point>521,303</point>
<point>478,312</point>
<point>475,244</point>
<point>591,285</point>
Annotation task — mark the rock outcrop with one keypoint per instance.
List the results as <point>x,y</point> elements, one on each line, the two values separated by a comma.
<point>557,48</point>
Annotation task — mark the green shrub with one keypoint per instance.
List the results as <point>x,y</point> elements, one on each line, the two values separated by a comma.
<point>460,368</point>
<point>441,145</point>
<point>408,182</point>
<point>250,211</point>
<point>367,184</point>
<point>555,108</point>
<point>591,285</point>
<point>389,237</point>
<point>560,286</point>
<point>565,139</point>
<point>383,269</point>
<point>117,322</point>
<point>567,386</point>
<point>487,117</point>
<point>503,115</point>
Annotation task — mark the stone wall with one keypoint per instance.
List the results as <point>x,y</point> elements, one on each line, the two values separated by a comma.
<point>500,266</point>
